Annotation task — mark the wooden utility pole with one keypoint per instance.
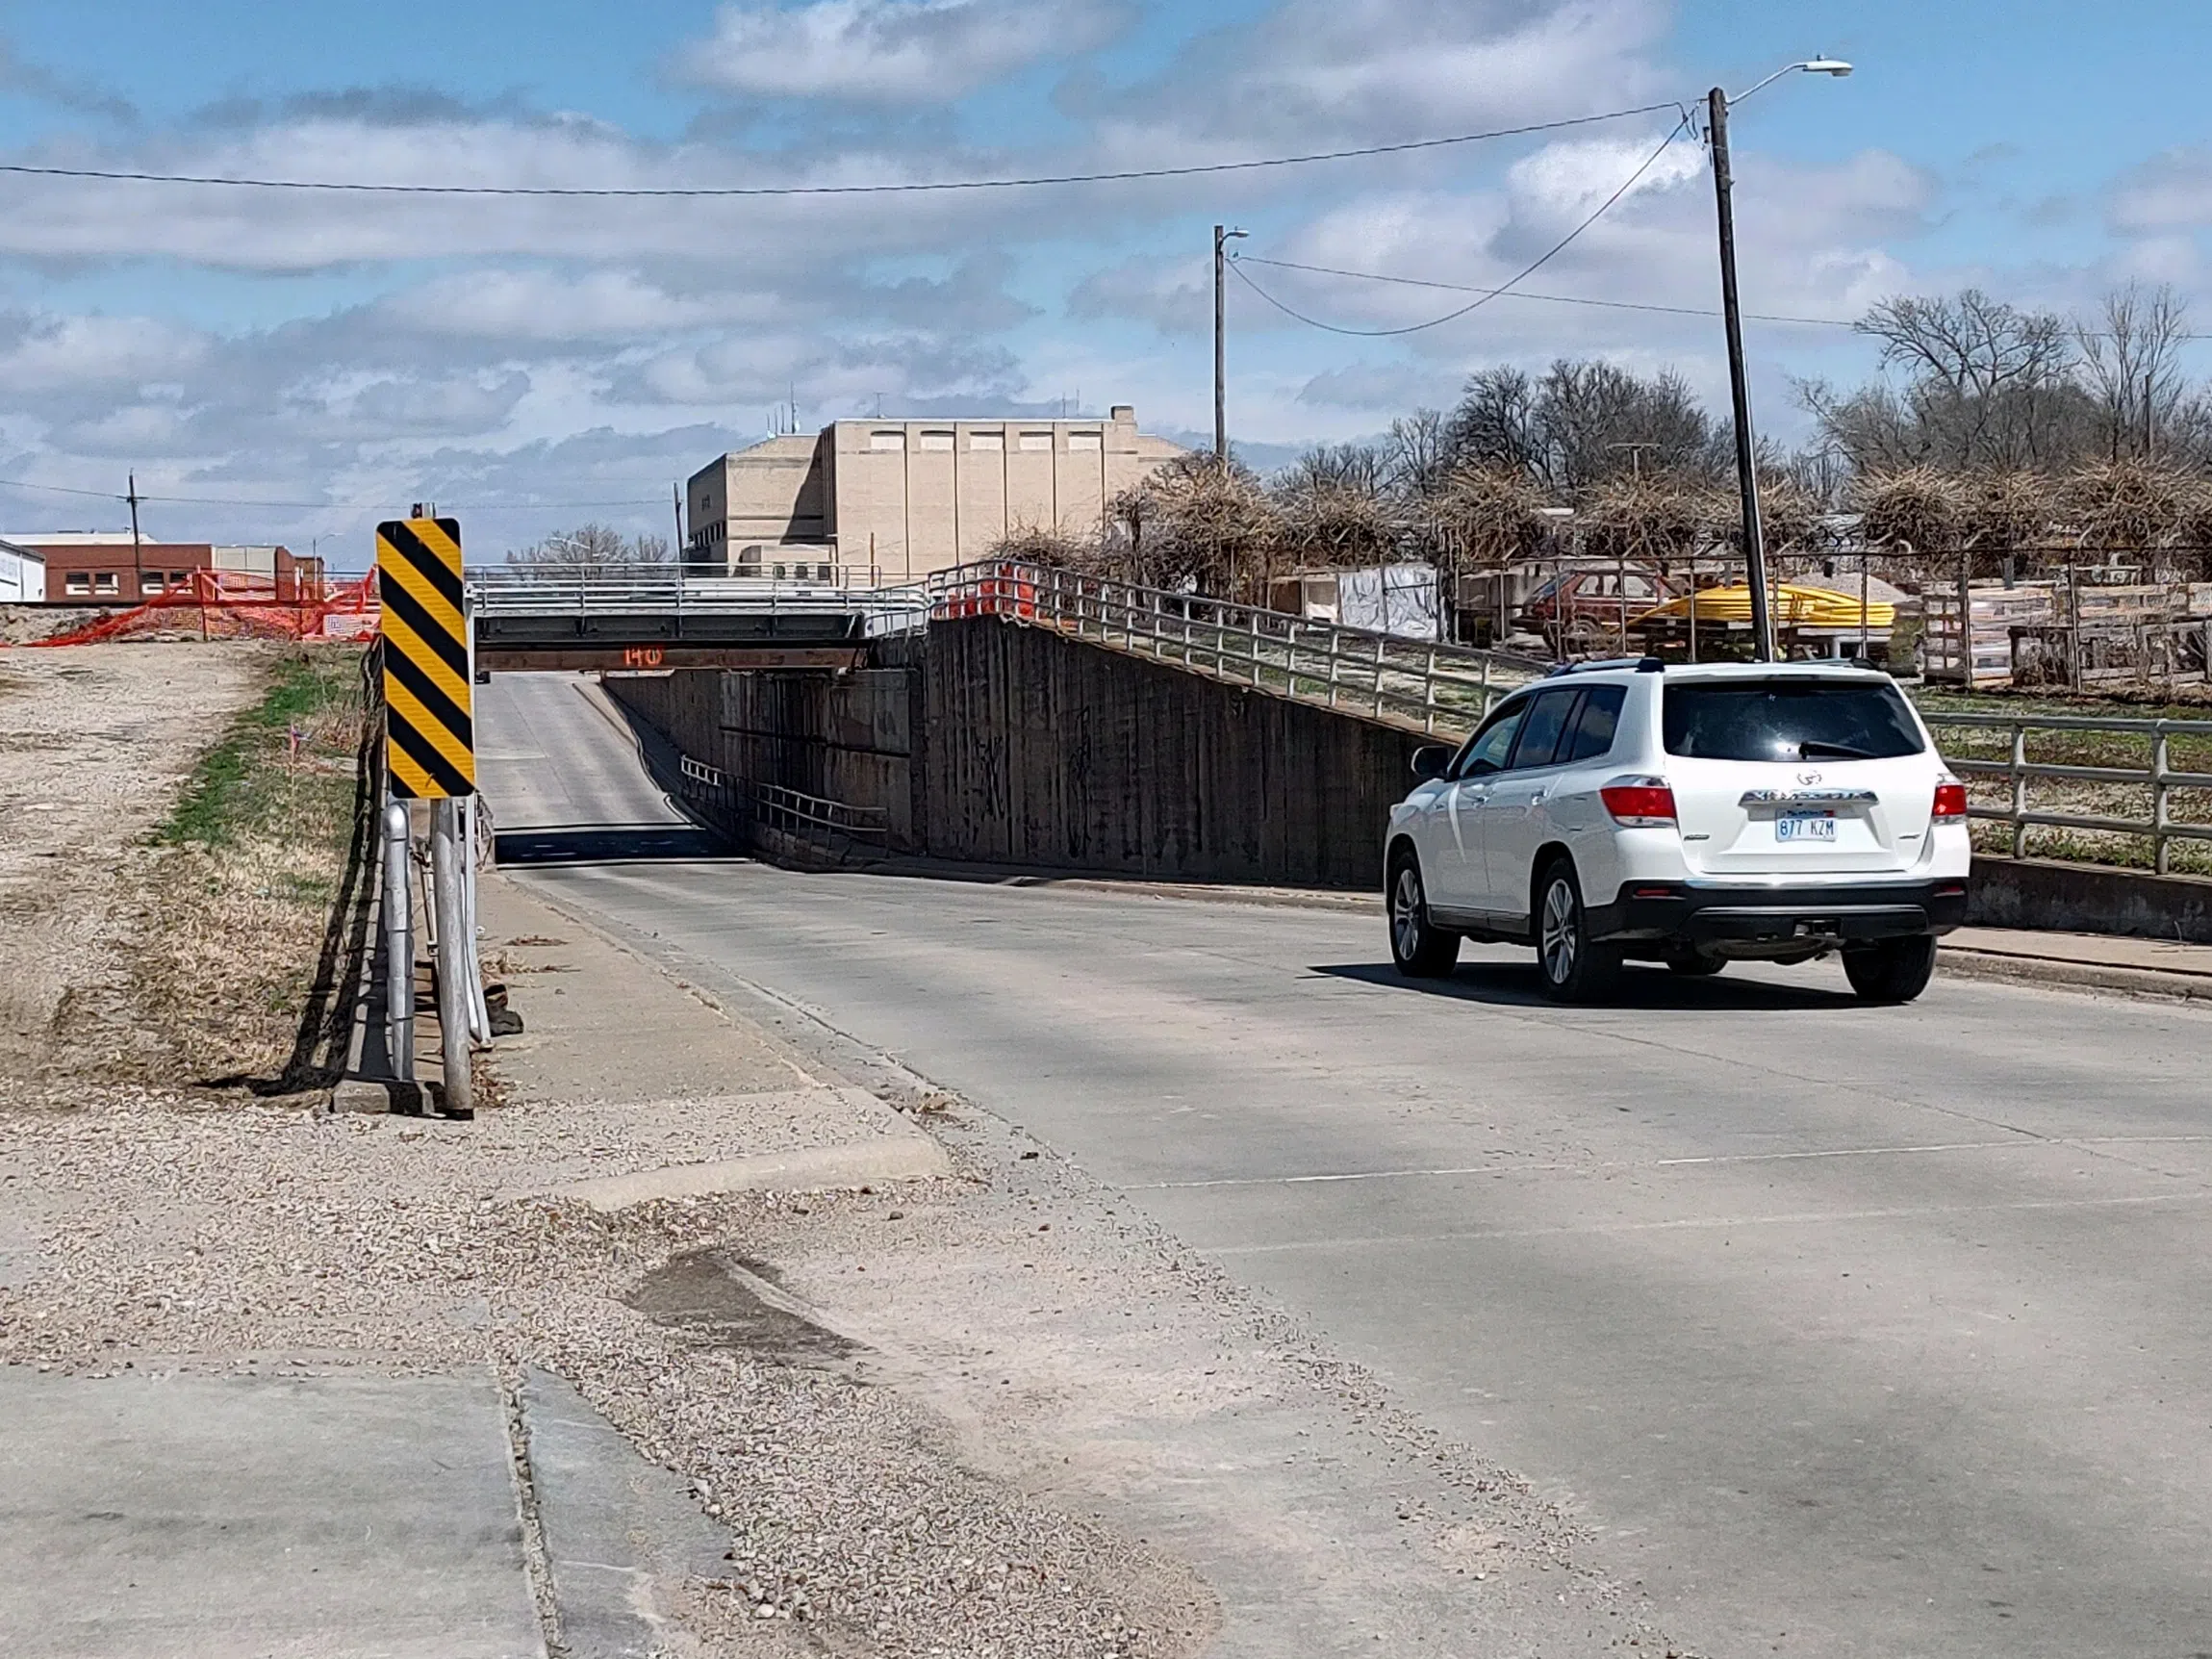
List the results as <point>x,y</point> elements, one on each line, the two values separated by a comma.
<point>138,556</point>
<point>1222,236</point>
<point>1746,448</point>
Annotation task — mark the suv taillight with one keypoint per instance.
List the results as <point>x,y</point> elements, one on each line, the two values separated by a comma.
<point>1950,802</point>
<point>1643,802</point>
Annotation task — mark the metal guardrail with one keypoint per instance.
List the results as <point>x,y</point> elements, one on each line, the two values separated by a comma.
<point>2159,776</point>
<point>1429,687</point>
<point>815,817</point>
<point>741,808</point>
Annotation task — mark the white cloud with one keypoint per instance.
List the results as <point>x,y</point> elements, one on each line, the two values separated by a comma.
<point>1316,72</point>
<point>892,51</point>
<point>57,352</point>
<point>542,305</point>
<point>2171,192</point>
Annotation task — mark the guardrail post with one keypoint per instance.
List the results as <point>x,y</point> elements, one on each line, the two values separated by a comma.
<point>445,878</point>
<point>2161,755</point>
<point>2020,792</point>
<point>398,946</point>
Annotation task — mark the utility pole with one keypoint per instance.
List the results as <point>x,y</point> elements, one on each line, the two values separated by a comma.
<point>1747,447</point>
<point>137,557</point>
<point>682,553</point>
<point>1221,237</point>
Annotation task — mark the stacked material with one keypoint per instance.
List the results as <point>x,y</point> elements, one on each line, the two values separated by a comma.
<point>1795,605</point>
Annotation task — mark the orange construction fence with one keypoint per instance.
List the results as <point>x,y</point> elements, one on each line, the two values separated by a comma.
<point>228,605</point>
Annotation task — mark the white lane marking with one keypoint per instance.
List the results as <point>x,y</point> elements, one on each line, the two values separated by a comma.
<point>1686,1223</point>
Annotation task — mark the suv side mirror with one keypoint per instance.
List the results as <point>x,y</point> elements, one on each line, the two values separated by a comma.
<point>1430,760</point>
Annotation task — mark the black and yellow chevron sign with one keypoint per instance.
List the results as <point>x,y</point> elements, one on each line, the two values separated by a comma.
<point>430,747</point>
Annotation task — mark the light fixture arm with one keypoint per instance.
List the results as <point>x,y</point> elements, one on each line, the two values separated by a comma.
<point>1835,66</point>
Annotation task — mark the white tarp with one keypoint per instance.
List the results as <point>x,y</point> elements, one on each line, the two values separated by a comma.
<point>1391,598</point>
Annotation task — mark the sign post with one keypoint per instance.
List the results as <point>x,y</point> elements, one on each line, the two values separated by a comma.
<point>430,747</point>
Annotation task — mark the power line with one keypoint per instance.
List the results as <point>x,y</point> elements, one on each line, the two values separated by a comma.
<point>1484,296</point>
<point>1191,170</point>
<point>1603,304</point>
<point>1551,299</point>
<point>317,506</point>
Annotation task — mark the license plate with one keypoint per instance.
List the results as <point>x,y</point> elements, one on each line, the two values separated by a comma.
<point>1805,827</point>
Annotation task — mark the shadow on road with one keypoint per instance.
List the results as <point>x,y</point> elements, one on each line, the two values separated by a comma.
<point>609,844</point>
<point>1514,985</point>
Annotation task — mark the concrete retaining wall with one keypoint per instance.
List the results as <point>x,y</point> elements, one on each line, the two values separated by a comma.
<point>2089,899</point>
<point>844,737</point>
<point>1045,751</point>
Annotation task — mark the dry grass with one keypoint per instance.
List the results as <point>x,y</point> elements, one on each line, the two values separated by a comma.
<point>231,906</point>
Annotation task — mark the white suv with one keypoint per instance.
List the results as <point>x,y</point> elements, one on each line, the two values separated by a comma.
<point>1688,815</point>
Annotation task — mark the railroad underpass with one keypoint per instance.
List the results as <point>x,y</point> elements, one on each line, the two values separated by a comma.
<point>1843,1330</point>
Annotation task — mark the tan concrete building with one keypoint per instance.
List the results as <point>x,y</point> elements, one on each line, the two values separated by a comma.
<point>886,499</point>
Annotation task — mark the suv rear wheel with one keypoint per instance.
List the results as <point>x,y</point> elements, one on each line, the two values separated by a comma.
<point>1894,971</point>
<point>1422,950</point>
<point>1575,968</point>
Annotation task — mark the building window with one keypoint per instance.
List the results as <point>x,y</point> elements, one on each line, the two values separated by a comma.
<point>1084,441</point>
<point>150,582</point>
<point>994,441</point>
<point>886,439</point>
<point>1036,440</point>
<point>106,582</point>
<point>180,578</point>
<point>936,440</point>
<point>77,582</point>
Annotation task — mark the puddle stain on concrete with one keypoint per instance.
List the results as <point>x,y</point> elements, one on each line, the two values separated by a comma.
<point>731,1302</point>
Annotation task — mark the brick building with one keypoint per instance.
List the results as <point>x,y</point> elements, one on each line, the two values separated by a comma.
<point>106,567</point>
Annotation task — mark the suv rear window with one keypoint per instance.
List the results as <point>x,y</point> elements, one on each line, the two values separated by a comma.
<point>1788,720</point>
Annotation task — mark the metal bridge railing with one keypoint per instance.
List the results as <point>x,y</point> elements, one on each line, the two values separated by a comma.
<point>663,591</point>
<point>2090,777</point>
<point>1428,686</point>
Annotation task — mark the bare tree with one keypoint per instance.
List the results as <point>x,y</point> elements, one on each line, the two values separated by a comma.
<point>2127,507</point>
<point>1583,422</point>
<point>1496,424</point>
<point>1197,522</point>
<point>1918,506</point>
<point>1332,510</point>
<point>1418,457</point>
<point>588,547</point>
<point>2132,367</point>
<point>1985,385</point>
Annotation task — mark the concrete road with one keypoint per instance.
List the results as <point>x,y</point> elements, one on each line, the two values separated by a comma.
<point>1851,1331</point>
<point>561,773</point>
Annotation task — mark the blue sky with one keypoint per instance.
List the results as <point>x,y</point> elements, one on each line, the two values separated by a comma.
<point>525,361</point>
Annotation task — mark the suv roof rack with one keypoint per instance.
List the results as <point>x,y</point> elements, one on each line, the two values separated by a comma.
<point>1641,664</point>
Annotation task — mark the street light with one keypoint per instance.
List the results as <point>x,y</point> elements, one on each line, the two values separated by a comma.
<point>1747,447</point>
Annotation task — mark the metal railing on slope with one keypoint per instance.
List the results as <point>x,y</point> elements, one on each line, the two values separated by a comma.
<point>741,808</point>
<point>1428,686</point>
<point>2093,780</point>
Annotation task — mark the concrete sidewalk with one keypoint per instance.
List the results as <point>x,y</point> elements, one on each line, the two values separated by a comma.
<point>288,1517</point>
